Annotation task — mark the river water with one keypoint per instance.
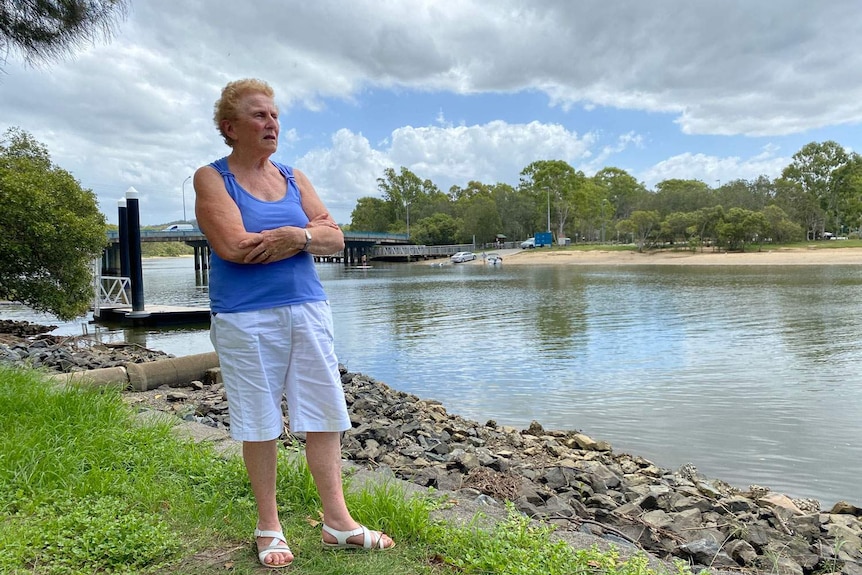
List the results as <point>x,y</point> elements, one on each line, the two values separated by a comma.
<point>752,374</point>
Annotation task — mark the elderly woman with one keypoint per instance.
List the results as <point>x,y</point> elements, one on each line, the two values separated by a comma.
<point>271,322</point>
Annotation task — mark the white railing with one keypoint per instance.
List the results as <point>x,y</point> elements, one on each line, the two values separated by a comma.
<point>419,250</point>
<point>109,290</point>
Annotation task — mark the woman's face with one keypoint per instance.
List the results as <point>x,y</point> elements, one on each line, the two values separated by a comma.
<point>256,124</point>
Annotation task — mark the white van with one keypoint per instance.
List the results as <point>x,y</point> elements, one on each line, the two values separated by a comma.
<point>179,228</point>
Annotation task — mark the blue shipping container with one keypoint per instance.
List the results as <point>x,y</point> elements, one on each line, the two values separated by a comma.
<point>544,239</point>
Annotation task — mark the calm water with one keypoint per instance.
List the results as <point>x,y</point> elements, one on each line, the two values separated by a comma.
<point>750,373</point>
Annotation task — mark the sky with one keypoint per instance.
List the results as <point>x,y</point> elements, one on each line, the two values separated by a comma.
<point>454,90</point>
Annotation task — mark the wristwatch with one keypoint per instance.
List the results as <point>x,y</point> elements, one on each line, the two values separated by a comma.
<point>307,240</point>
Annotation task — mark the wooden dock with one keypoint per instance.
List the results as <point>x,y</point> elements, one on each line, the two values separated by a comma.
<point>153,315</point>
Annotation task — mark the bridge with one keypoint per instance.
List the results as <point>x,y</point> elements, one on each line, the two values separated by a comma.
<point>119,271</point>
<point>197,235</point>
<point>112,286</point>
<point>357,244</point>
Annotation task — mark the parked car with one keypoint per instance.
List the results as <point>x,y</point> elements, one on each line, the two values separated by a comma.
<point>462,257</point>
<point>528,243</point>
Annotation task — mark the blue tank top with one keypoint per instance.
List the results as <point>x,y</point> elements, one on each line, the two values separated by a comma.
<point>246,287</point>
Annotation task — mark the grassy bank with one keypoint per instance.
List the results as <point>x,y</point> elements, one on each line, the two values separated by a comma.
<point>84,488</point>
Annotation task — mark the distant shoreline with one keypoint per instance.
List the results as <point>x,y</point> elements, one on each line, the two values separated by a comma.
<point>777,257</point>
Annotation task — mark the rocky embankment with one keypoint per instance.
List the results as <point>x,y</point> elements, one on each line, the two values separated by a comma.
<point>23,343</point>
<point>563,477</point>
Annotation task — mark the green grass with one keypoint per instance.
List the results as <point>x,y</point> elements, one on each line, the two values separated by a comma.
<point>86,489</point>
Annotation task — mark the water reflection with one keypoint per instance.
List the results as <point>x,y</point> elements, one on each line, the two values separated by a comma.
<point>749,373</point>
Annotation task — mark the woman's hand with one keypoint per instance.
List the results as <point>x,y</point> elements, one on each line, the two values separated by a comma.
<point>273,245</point>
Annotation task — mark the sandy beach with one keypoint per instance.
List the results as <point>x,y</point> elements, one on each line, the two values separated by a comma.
<point>779,257</point>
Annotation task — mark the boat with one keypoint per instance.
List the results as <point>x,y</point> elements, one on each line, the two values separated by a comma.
<point>494,259</point>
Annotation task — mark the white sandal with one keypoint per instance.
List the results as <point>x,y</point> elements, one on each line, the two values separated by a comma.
<point>277,545</point>
<point>368,541</point>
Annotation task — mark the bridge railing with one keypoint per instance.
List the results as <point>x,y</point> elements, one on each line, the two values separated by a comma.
<point>418,250</point>
<point>196,234</point>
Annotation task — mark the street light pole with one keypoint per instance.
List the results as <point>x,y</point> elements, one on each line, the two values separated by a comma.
<point>184,198</point>
<point>549,208</point>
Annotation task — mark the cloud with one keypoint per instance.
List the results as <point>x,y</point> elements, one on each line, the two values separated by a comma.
<point>344,172</point>
<point>448,156</point>
<point>712,169</point>
<point>630,83</point>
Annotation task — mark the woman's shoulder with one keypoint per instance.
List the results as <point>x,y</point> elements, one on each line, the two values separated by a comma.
<point>219,165</point>
<point>288,171</point>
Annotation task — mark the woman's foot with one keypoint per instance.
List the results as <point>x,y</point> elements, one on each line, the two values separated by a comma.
<point>358,538</point>
<point>272,549</point>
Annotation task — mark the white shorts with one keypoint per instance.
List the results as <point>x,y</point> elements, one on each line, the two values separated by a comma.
<point>280,352</point>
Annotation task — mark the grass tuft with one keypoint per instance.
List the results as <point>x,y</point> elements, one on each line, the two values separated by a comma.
<point>86,488</point>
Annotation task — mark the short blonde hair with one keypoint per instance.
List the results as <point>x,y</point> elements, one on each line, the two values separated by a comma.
<point>226,107</point>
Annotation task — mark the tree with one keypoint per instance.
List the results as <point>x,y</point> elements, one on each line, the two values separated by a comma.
<point>46,29</point>
<point>371,215</point>
<point>814,169</point>
<point>480,221</point>
<point>52,231</point>
<point>705,220</point>
<point>641,226</point>
<point>681,196</point>
<point>779,227</point>
<point>678,226</point>
<point>744,194</point>
<point>439,229</point>
<point>741,226</point>
<point>408,197</point>
<point>848,180</point>
<point>800,206</point>
<point>621,189</point>
<point>557,186</point>
<point>517,211</point>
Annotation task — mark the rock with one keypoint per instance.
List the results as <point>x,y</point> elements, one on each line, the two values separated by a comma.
<point>708,553</point>
<point>851,568</point>
<point>783,565</point>
<point>535,429</point>
<point>850,540</point>
<point>780,501</point>
<point>842,507</point>
<point>738,504</point>
<point>741,551</point>
<point>565,477</point>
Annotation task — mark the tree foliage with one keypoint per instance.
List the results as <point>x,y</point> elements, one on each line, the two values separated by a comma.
<point>481,221</point>
<point>46,29</point>
<point>371,215</point>
<point>439,229</point>
<point>560,185</point>
<point>641,225</point>
<point>621,189</point>
<point>821,190</point>
<point>407,197</point>
<point>814,171</point>
<point>51,230</point>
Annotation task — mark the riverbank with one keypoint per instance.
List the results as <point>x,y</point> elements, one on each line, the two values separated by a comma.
<point>576,482</point>
<point>775,257</point>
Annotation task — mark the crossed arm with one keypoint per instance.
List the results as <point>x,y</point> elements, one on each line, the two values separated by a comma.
<point>220,220</point>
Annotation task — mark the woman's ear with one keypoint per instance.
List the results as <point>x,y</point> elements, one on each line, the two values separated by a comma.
<point>227,129</point>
